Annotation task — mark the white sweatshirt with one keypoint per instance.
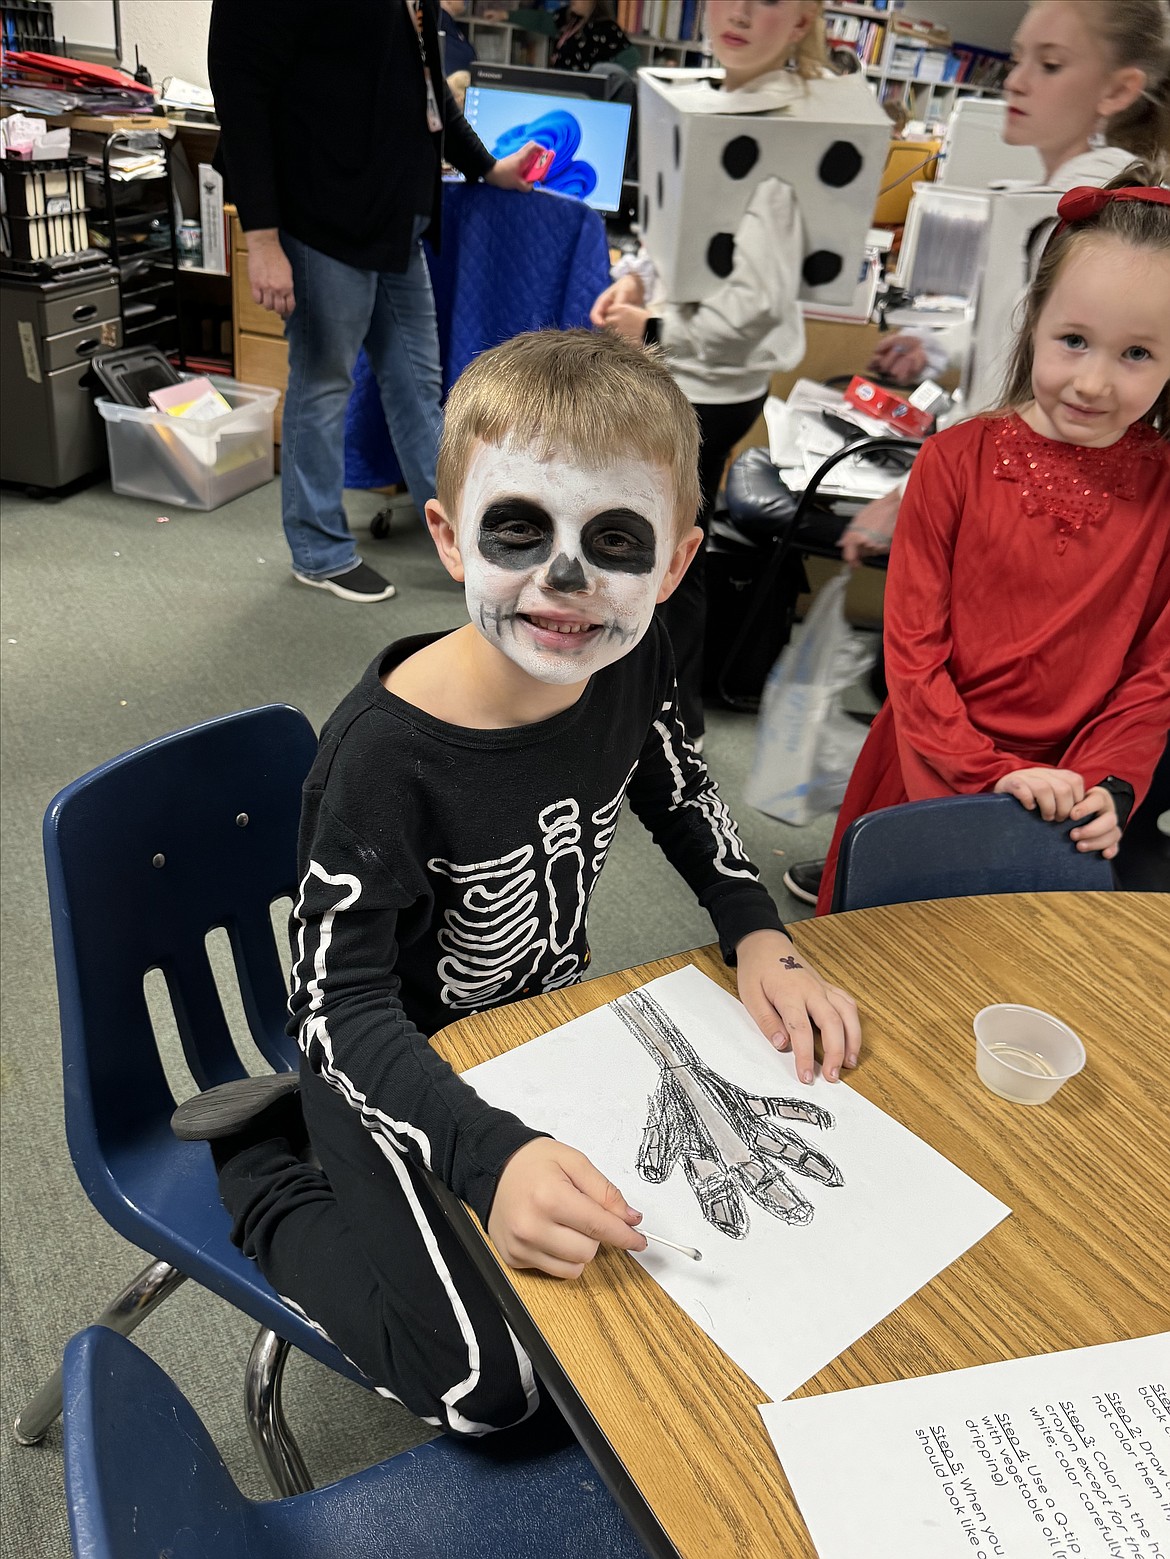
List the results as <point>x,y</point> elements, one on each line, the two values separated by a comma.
<point>727,347</point>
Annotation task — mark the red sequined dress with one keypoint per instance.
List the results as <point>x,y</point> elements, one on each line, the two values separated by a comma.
<point>1027,617</point>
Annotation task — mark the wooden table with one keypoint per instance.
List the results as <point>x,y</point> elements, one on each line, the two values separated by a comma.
<point>669,1420</point>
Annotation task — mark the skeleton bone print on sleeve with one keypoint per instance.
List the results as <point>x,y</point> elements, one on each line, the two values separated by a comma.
<point>518,926</point>
<point>730,859</point>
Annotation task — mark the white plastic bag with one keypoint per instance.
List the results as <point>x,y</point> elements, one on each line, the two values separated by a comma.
<point>806,745</point>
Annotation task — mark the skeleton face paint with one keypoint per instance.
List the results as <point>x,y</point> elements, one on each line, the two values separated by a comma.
<point>563,563</point>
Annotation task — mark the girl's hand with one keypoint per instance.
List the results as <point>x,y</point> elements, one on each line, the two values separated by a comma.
<point>869,531</point>
<point>786,997</point>
<point>901,359</point>
<point>1053,792</point>
<point>553,1209</point>
<point>1097,824</point>
<point>627,289</point>
<point>627,321</point>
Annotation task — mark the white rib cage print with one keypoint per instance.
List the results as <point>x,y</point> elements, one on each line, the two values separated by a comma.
<point>519,917</point>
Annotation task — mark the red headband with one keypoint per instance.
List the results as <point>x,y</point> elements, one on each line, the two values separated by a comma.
<point>1087,201</point>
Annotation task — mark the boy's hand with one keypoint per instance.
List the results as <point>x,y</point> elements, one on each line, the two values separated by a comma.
<point>786,997</point>
<point>627,289</point>
<point>1098,827</point>
<point>552,1210</point>
<point>1052,792</point>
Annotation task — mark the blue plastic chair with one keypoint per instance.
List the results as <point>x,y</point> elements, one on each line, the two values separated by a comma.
<point>143,1478</point>
<point>958,847</point>
<point>145,855</point>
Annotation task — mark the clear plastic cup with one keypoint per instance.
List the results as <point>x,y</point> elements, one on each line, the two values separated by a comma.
<point>1023,1054</point>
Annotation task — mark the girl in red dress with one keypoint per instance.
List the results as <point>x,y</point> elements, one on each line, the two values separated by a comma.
<point>1027,616</point>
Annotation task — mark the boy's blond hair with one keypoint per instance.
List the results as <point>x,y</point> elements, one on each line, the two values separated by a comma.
<point>587,394</point>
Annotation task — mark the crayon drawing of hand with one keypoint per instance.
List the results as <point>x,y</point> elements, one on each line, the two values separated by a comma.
<point>730,1142</point>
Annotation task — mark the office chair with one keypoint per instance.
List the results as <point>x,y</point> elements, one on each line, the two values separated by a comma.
<point>792,527</point>
<point>959,846</point>
<point>143,1478</point>
<point>145,855</point>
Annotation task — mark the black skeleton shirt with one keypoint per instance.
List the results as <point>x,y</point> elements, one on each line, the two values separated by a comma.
<point>444,871</point>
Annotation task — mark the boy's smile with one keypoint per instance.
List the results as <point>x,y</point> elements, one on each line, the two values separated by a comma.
<point>562,565</point>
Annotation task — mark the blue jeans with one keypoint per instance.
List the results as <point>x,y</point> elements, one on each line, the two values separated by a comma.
<point>339,309</point>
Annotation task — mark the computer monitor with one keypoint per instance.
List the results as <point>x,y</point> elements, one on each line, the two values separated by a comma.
<point>530,78</point>
<point>589,138</point>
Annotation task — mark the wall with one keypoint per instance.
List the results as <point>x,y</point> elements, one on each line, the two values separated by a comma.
<point>987,23</point>
<point>171,36</point>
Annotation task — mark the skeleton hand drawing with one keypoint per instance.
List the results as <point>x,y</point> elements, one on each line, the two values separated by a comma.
<point>730,1141</point>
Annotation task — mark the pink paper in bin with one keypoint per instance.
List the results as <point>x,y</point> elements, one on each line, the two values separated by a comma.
<point>193,465</point>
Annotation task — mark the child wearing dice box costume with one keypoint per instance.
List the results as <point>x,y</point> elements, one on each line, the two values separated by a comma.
<point>758,187</point>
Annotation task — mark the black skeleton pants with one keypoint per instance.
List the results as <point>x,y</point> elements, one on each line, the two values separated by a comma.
<point>685,613</point>
<point>362,1248</point>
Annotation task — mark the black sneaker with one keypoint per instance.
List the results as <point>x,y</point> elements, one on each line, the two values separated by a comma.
<point>803,880</point>
<point>236,1107</point>
<point>359,583</point>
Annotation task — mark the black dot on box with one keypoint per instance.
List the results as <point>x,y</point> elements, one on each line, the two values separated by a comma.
<point>740,156</point>
<point>822,267</point>
<point>721,253</point>
<point>645,212</point>
<point>677,148</point>
<point>840,165</point>
<point>660,192</point>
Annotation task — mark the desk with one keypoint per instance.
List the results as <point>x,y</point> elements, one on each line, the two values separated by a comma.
<point>668,1419</point>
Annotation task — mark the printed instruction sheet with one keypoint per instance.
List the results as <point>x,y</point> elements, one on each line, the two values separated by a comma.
<point>1065,1456</point>
<point>816,1214</point>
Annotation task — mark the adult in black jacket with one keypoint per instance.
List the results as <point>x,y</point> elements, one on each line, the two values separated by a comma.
<point>335,121</point>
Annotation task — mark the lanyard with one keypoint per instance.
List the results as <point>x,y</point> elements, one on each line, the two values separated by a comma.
<point>434,118</point>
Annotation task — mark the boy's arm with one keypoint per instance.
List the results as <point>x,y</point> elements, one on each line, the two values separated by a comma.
<point>348,1018</point>
<point>675,797</point>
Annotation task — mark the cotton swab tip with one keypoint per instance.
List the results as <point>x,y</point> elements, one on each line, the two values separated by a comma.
<point>683,1250</point>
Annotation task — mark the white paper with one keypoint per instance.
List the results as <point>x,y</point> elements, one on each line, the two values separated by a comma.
<point>787,1297</point>
<point>1066,1456</point>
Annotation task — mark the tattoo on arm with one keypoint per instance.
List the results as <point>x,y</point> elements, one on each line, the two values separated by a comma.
<point>790,963</point>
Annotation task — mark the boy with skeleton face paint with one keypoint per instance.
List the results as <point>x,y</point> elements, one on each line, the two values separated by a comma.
<point>455,823</point>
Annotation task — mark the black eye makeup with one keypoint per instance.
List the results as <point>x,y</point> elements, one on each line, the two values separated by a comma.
<point>515,534</point>
<point>620,540</point>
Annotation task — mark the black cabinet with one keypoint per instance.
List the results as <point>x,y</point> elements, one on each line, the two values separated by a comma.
<point>134,222</point>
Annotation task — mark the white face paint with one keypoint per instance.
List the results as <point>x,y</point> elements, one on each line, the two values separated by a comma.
<point>563,563</point>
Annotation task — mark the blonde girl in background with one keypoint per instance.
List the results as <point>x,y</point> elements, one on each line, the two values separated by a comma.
<point>724,350</point>
<point>1090,90</point>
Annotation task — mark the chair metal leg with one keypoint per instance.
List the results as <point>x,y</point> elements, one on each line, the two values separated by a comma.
<point>132,1306</point>
<point>273,1440</point>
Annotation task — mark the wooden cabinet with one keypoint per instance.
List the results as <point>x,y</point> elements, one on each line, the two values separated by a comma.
<point>260,350</point>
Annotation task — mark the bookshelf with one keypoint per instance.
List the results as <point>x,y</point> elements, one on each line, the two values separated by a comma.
<point>927,78</point>
<point>664,32</point>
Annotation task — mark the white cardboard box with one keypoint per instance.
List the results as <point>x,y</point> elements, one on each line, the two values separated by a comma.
<point>698,169</point>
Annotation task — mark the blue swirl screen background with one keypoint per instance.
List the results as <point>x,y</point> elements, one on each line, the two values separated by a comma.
<point>589,138</point>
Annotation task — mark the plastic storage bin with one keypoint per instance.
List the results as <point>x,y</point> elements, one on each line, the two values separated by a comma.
<point>192,465</point>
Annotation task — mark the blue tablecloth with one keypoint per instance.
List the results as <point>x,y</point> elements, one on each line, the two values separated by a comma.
<point>510,262</point>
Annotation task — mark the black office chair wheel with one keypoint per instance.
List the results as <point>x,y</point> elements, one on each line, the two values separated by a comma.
<point>380,525</point>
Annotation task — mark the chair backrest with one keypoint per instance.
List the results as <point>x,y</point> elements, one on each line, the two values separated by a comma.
<point>145,855</point>
<point>956,847</point>
<point>143,1478</point>
<point>140,1468</point>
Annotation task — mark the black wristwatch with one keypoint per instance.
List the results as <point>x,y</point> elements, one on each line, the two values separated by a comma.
<point>1122,793</point>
